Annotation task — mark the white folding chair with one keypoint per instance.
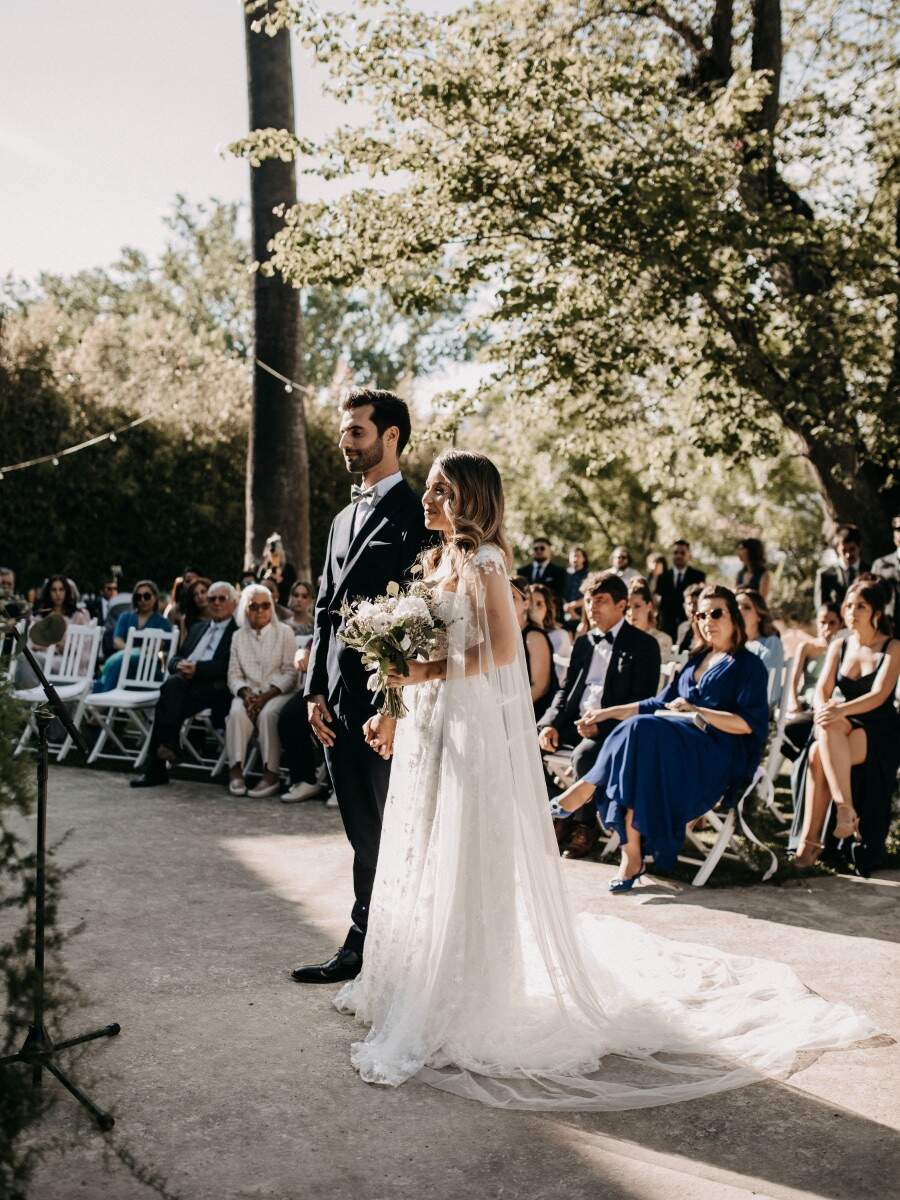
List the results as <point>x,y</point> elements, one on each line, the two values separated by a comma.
<point>559,767</point>
<point>194,756</point>
<point>71,671</point>
<point>134,697</point>
<point>726,820</point>
<point>774,757</point>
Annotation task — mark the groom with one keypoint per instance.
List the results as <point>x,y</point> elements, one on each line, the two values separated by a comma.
<point>374,540</point>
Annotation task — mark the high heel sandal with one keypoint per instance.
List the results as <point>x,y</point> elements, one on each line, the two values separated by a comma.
<point>851,828</point>
<point>801,850</point>
<point>616,886</point>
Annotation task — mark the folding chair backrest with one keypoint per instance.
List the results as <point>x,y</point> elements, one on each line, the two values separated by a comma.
<point>78,656</point>
<point>144,658</point>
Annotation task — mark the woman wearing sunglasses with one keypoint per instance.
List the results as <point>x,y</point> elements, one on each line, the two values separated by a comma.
<point>653,776</point>
<point>262,678</point>
<point>144,614</point>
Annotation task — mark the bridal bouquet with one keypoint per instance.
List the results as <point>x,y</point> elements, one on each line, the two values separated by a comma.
<point>390,631</point>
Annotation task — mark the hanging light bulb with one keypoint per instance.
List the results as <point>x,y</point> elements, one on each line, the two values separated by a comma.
<point>288,388</point>
<point>112,437</point>
<point>55,462</point>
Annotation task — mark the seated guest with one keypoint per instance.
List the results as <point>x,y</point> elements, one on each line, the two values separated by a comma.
<point>58,596</point>
<point>538,650</point>
<point>687,639</point>
<point>302,751</point>
<point>198,676</point>
<point>620,562</point>
<point>642,615</point>
<point>98,606</point>
<point>145,614</point>
<point>12,605</point>
<point>655,774</point>
<point>807,667</point>
<point>174,610</point>
<point>542,569</point>
<point>832,582</point>
<point>887,569</point>
<point>194,606</point>
<point>656,566</point>
<point>301,602</point>
<point>262,678</point>
<point>573,601</point>
<point>763,639</point>
<point>542,612</point>
<point>281,612</point>
<point>850,762</point>
<point>612,664</point>
<point>671,586</point>
<point>754,572</point>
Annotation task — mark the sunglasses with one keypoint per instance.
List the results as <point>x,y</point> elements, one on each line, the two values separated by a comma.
<point>217,599</point>
<point>254,607</point>
<point>712,614</point>
<point>143,595</point>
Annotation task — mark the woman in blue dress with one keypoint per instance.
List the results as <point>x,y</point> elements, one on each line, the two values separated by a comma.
<point>654,775</point>
<point>144,614</point>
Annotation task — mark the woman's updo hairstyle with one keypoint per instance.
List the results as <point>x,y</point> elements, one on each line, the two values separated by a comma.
<point>476,508</point>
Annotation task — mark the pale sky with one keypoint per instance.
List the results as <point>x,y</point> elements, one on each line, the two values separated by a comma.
<point>106,111</point>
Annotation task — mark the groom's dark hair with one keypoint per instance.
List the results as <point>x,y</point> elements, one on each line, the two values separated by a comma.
<point>387,410</point>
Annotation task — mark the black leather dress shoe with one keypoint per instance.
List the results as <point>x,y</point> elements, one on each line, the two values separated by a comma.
<point>143,781</point>
<point>346,964</point>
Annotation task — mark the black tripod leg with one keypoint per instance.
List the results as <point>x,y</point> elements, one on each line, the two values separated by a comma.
<point>106,1031</point>
<point>103,1119</point>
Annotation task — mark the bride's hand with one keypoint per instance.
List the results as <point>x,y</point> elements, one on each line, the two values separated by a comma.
<point>378,732</point>
<point>419,672</point>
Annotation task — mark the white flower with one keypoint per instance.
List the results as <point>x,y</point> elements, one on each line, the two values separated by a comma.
<point>393,588</point>
<point>415,607</point>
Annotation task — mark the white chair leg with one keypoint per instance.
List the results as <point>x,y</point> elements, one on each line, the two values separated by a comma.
<point>725,834</point>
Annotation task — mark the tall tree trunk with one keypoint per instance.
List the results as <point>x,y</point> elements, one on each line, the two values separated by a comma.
<point>277,496</point>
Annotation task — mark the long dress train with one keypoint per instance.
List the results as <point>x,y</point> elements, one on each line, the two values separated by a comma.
<point>477,978</point>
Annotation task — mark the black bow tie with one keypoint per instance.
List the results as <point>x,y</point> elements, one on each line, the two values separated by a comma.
<point>597,638</point>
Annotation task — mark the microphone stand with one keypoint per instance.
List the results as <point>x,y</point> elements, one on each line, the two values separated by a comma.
<point>39,1049</point>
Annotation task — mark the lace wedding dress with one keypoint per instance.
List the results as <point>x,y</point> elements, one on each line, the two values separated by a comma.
<point>477,978</point>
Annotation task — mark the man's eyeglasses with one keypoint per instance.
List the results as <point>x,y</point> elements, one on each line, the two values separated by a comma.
<point>254,607</point>
<point>143,595</point>
<point>712,614</point>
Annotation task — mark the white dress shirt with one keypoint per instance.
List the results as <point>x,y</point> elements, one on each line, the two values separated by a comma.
<point>362,509</point>
<point>209,642</point>
<point>592,696</point>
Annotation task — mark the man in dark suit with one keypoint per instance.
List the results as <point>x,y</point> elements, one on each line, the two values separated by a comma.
<point>198,679</point>
<point>543,570</point>
<point>374,541</point>
<point>887,568</point>
<point>832,582</point>
<point>612,664</point>
<point>671,585</point>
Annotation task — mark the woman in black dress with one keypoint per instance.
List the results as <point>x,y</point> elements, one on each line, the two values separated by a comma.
<point>754,572</point>
<point>854,750</point>
<point>538,650</point>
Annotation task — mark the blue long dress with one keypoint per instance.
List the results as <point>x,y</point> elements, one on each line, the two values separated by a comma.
<point>669,771</point>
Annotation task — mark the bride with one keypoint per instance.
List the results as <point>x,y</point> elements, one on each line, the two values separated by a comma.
<point>477,979</point>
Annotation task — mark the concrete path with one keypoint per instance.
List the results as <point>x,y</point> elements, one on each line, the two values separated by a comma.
<point>232,1082</point>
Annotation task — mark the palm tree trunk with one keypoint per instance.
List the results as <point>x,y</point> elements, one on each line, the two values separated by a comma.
<point>277,496</point>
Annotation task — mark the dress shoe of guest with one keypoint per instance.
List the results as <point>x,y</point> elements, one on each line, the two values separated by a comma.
<point>262,791</point>
<point>346,964</point>
<point>563,829</point>
<point>147,781</point>
<point>237,787</point>
<point>301,791</point>
<point>583,840</point>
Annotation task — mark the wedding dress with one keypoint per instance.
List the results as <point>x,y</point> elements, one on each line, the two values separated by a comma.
<point>477,978</point>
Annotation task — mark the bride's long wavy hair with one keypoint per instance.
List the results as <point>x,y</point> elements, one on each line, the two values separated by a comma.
<point>477,508</point>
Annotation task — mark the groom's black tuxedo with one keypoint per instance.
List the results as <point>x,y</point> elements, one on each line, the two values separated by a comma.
<point>360,562</point>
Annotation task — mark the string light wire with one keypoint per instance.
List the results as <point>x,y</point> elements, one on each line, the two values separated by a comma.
<point>112,435</point>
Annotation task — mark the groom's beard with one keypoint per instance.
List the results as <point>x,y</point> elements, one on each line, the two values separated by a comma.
<point>365,460</point>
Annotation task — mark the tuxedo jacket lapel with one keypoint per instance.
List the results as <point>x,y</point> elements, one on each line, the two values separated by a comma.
<point>375,521</point>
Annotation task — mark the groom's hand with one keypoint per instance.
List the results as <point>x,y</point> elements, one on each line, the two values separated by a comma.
<point>379,734</point>
<point>319,719</point>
